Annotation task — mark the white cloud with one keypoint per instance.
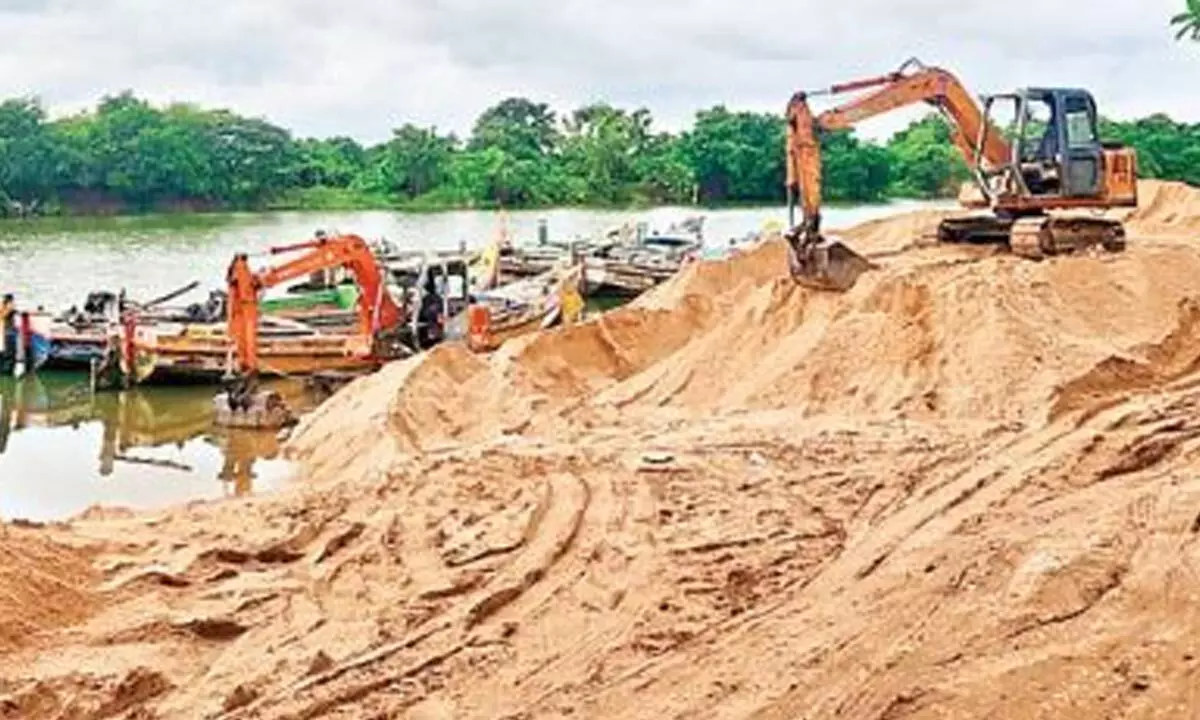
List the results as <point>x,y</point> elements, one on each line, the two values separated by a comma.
<point>361,67</point>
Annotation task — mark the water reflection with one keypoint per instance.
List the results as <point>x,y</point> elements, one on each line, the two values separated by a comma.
<point>63,448</point>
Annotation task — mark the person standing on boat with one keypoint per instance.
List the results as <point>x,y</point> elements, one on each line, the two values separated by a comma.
<point>430,319</point>
<point>8,321</point>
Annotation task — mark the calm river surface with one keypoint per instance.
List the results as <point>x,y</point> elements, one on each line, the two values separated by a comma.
<point>63,450</point>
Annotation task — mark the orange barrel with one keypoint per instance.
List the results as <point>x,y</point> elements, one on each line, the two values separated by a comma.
<point>128,347</point>
<point>479,327</point>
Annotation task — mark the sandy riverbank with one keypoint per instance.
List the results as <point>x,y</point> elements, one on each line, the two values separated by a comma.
<point>967,488</point>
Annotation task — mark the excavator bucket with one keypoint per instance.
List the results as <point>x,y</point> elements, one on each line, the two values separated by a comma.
<point>243,405</point>
<point>826,265</point>
<point>262,411</point>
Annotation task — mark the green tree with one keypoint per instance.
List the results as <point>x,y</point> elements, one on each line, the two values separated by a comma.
<point>254,160</point>
<point>1166,149</point>
<point>737,156</point>
<point>601,149</point>
<point>853,171</point>
<point>128,154</point>
<point>28,155</point>
<point>120,136</point>
<point>521,128</point>
<point>520,138</point>
<point>663,172</point>
<point>924,160</point>
<point>1188,21</point>
<point>415,161</point>
<point>332,162</point>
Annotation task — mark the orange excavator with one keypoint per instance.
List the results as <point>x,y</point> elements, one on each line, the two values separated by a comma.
<point>1054,161</point>
<point>381,323</point>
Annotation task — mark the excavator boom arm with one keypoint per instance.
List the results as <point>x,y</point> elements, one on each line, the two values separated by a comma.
<point>931,85</point>
<point>375,307</point>
<point>889,92</point>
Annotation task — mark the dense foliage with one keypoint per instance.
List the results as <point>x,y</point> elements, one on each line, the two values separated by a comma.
<point>129,155</point>
<point>1187,23</point>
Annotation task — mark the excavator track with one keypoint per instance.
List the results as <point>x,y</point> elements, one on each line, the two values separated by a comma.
<point>1036,237</point>
<point>975,230</point>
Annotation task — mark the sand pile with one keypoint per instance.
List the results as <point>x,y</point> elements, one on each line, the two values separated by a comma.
<point>936,333</point>
<point>967,488</point>
<point>43,586</point>
<point>1165,208</point>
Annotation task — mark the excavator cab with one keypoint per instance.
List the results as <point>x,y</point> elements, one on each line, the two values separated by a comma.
<point>1055,140</point>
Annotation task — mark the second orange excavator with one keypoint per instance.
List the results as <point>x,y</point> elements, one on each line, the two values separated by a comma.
<point>1054,161</point>
<point>380,321</point>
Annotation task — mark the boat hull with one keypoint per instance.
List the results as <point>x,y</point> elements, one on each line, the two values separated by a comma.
<point>75,351</point>
<point>39,351</point>
<point>75,348</point>
<point>201,355</point>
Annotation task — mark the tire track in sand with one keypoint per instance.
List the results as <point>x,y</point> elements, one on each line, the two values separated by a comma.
<point>614,561</point>
<point>990,479</point>
<point>473,623</point>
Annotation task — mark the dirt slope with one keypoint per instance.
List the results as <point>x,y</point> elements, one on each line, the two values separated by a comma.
<point>967,488</point>
<point>43,585</point>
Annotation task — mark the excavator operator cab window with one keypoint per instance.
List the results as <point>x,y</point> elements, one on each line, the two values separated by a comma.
<point>1083,157</point>
<point>1039,140</point>
<point>1081,125</point>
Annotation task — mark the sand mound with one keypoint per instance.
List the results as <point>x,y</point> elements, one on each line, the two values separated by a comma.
<point>967,488</point>
<point>1153,366</point>
<point>935,333</point>
<point>1165,208</point>
<point>43,586</point>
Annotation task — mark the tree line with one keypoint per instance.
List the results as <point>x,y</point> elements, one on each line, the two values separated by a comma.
<point>126,155</point>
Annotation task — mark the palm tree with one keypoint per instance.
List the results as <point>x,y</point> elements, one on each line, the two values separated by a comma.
<point>1188,21</point>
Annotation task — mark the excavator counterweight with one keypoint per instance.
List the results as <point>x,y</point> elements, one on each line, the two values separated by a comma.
<point>1055,162</point>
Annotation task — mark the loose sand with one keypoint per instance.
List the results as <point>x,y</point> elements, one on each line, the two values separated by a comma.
<point>966,488</point>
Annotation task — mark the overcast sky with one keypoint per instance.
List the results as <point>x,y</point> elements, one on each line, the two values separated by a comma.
<point>361,67</point>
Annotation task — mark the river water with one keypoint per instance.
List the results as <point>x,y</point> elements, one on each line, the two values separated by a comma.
<point>63,450</point>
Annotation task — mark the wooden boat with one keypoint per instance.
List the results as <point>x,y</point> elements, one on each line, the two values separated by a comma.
<point>325,301</point>
<point>189,353</point>
<point>77,338</point>
<point>526,306</point>
<point>515,308</point>
<point>321,340</point>
<point>23,352</point>
<point>631,269</point>
<point>309,329</point>
<point>625,262</point>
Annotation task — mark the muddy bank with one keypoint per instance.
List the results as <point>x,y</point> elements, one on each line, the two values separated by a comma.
<point>965,488</point>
